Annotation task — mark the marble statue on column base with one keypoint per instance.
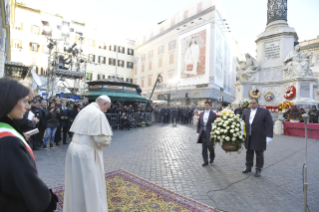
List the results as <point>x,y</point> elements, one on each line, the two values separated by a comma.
<point>297,64</point>
<point>247,69</point>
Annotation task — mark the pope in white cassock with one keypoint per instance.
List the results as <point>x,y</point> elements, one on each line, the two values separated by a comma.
<point>85,188</point>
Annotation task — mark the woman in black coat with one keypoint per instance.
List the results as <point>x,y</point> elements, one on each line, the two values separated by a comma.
<point>21,189</point>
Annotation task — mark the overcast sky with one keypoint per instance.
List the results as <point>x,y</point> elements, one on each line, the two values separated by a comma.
<point>247,18</point>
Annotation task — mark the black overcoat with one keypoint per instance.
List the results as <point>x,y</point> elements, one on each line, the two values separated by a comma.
<point>261,127</point>
<point>21,189</point>
<point>200,125</point>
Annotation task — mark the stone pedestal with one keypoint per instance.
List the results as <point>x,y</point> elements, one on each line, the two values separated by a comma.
<point>273,46</point>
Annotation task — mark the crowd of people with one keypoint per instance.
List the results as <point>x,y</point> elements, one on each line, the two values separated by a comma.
<point>51,118</point>
<point>177,114</point>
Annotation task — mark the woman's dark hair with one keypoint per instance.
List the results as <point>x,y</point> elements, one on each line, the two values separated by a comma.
<point>51,104</point>
<point>11,91</point>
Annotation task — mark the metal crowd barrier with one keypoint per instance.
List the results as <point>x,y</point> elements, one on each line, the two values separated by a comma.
<point>135,119</point>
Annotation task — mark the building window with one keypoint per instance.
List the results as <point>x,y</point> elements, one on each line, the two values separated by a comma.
<point>160,62</point>
<point>173,22</point>
<point>34,47</point>
<point>135,70</point>
<point>112,61</point>
<point>18,26</point>
<point>121,50</point>
<point>102,60</point>
<point>41,73</point>
<point>92,58</point>
<point>171,45</point>
<point>131,80</point>
<point>143,58</point>
<point>37,70</point>
<point>130,65</point>
<point>136,60</point>
<point>150,66</point>
<point>150,81</point>
<point>199,7</point>
<point>185,14</point>
<point>142,82</point>
<point>112,48</point>
<point>35,30</point>
<point>120,63</point>
<point>171,59</point>
<point>102,45</point>
<point>91,42</point>
<point>150,54</point>
<point>171,75</point>
<point>17,44</point>
<point>142,68</point>
<point>160,50</point>
<point>130,52</point>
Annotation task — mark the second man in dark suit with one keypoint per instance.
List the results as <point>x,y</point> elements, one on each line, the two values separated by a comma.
<point>259,131</point>
<point>204,128</point>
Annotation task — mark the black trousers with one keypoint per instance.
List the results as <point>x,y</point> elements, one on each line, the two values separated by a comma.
<point>65,132</point>
<point>41,135</point>
<point>207,146</point>
<point>250,158</point>
<point>57,137</point>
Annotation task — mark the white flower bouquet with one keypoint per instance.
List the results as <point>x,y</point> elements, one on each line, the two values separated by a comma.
<point>228,129</point>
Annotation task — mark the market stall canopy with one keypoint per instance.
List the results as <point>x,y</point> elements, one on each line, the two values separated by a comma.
<point>116,89</point>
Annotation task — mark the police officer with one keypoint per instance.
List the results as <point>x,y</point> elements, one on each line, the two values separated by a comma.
<point>39,115</point>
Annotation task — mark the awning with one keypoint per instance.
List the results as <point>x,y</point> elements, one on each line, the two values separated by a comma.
<point>116,96</point>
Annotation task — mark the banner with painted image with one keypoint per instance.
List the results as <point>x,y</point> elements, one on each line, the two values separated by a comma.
<point>193,62</point>
<point>219,59</point>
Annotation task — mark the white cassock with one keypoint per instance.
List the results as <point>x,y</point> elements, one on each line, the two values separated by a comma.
<point>85,189</point>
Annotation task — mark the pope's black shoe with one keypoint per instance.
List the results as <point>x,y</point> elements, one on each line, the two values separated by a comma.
<point>257,173</point>
<point>247,170</point>
<point>205,164</point>
<point>211,162</point>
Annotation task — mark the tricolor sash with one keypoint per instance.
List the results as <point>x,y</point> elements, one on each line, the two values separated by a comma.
<point>7,130</point>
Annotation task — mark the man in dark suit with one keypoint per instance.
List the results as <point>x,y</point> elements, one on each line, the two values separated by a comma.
<point>64,120</point>
<point>204,128</point>
<point>259,131</point>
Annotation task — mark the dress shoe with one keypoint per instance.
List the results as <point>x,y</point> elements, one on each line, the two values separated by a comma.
<point>211,162</point>
<point>257,173</point>
<point>205,164</point>
<point>65,143</point>
<point>247,170</point>
<point>51,146</point>
<point>44,146</point>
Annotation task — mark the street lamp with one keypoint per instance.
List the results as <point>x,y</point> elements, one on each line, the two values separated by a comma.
<point>305,184</point>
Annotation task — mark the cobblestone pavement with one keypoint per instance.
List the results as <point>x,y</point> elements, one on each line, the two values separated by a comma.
<point>170,157</point>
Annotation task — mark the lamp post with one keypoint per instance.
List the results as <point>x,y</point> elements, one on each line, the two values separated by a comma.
<point>305,184</point>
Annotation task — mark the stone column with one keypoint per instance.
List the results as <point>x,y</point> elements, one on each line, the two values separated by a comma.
<point>277,10</point>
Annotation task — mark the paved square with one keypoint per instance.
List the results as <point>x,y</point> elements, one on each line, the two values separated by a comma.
<point>170,157</point>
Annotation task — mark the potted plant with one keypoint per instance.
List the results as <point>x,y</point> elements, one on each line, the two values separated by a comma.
<point>295,114</point>
<point>228,131</point>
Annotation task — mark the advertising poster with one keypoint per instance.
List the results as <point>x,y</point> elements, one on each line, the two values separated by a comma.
<point>219,59</point>
<point>193,60</point>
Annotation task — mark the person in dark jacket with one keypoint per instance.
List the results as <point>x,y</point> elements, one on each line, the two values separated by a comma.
<point>85,102</point>
<point>204,128</point>
<point>259,131</point>
<point>52,120</point>
<point>57,137</point>
<point>43,108</point>
<point>64,120</point>
<point>313,115</point>
<point>73,111</point>
<point>21,189</point>
<point>39,115</point>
